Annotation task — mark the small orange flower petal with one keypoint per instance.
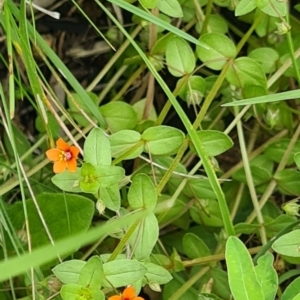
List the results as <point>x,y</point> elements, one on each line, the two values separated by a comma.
<point>115,297</point>
<point>61,144</point>
<point>129,293</point>
<point>53,154</point>
<point>59,166</point>
<point>138,298</point>
<point>74,151</point>
<point>72,165</point>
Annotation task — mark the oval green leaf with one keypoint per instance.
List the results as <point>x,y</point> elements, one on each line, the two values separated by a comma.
<point>245,71</point>
<point>110,196</point>
<point>119,116</point>
<point>170,7</point>
<point>122,272</point>
<point>162,140</point>
<point>266,57</point>
<point>214,142</point>
<point>97,148</point>
<point>142,193</point>
<point>144,237</point>
<point>69,271</point>
<point>292,291</point>
<point>221,48</point>
<point>179,57</point>
<point>194,247</point>
<point>241,273</point>
<point>68,181</point>
<point>267,276</point>
<point>126,142</point>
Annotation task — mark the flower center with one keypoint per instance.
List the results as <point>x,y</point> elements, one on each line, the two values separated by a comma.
<point>65,156</point>
<point>68,155</point>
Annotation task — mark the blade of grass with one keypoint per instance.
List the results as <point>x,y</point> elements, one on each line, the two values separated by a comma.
<point>267,98</point>
<point>11,82</point>
<point>18,265</point>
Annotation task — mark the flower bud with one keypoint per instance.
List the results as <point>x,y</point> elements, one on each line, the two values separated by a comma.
<point>292,208</point>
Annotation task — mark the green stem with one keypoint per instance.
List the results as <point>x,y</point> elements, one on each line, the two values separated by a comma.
<point>209,6</point>
<point>291,49</point>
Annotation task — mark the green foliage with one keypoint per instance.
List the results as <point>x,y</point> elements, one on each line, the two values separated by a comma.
<point>179,57</point>
<point>241,272</point>
<point>186,124</point>
<point>63,215</point>
<point>220,49</point>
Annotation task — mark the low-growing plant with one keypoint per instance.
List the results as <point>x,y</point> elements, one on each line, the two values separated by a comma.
<point>153,154</point>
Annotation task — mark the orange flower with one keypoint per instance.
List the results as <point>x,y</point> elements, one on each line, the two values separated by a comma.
<point>128,294</point>
<point>64,156</point>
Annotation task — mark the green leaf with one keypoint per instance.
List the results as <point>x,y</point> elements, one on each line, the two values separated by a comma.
<point>273,8</point>
<point>214,142</point>
<point>179,57</point>
<point>246,71</point>
<point>297,159</point>
<point>292,291</point>
<point>242,277</point>
<point>97,148</point>
<point>288,181</point>
<point>75,291</point>
<point>170,7</point>
<point>221,48</point>
<point>162,140</point>
<point>91,274</point>
<point>156,274</point>
<point>167,209</point>
<point>69,271</point>
<point>261,3</point>
<point>266,57</point>
<point>110,196</point>
<point>192,89</point>
<point>88,179</point>
<point>194,247</point>
<point>221,286</point>
<point>122,272</point>
<point>244,7</point>
<point>207,212</point>
<point>288,244</point>
<point>108,176</point>
<point>251,91</point>
<point>119,116</point>
<point>216,24</point>
<point>68,181</point>
<point>142,193</point>
<point>72,291</point>
<point>126,141</point>
<point>267,276</point>
<point>139,108</point>
<point>149,3</point>
<point>261,171</point>
<point>144,237</point>
<point>200,188</point>
<point>64,214</point>
<point>277,150</point>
